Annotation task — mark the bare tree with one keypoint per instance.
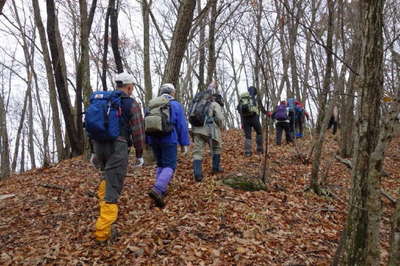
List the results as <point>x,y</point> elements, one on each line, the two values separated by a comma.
<point>146,50</point>
<point>59,68</point>
<point>179,42</point>
<point>50,81</point>
<point>361,237</point>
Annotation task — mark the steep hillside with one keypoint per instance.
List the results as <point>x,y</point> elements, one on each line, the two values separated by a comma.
<point>50,220</point>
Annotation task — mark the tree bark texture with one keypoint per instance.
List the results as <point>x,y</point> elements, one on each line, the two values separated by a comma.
<point>323,115</point>
<point>59,68</point>
<point>394,258</point>
<point>2,3</point>
<point>50,81</point>
<point>363,221</point>
<point>4,143</point>
<point>105,48</point>
<point>202,49</point>
<point>179,42</point>
<point>19,132</point>
<point>347,113</point>
<point>114,4</point>
<point>146,51</point>
<point>212,60</point>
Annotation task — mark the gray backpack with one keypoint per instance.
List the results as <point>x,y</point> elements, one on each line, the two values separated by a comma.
<point>157,121</point>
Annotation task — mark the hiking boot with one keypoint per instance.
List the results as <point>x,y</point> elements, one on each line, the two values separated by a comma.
<point>216,160</point>
<point>247,147</point>
<point>157,197</point>
<point>197,170</point>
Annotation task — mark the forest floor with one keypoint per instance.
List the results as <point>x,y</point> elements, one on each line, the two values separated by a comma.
<point>50,220</point>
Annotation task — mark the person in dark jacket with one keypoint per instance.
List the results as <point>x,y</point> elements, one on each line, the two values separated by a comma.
<point>249,109</point>
<point>165,147</point>
<point>281,115</point>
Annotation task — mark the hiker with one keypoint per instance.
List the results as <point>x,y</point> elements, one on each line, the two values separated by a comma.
<point>111,150</point>
<point>249,109</point>
<point>207,120</point>
<point>333,121</point>
<point>300,116</point>
<point>165,140</point>
<point>281,114</point>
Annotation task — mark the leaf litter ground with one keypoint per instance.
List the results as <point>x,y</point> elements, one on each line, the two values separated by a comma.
<point>50,220</point>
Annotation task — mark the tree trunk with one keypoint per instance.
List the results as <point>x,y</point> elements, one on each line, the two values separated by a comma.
<point>114,4</point>
<point>292,30</point>
<point>2,3</point>
<point>4,143</point>
<point>59,67</point>
<point>361,245</point>
<point>22,161</point>
<point>19,131</point>
<point>211,43</point>
<point>179,42</point>
<point>323,116</point>
<point>146,51</point>
<point>105,49</point>
<point>347,113</point>
<point>31,148</point>
<point>202,49</point>
<point>50,81</point>
<point>394,258</point>
<point>83,88</point>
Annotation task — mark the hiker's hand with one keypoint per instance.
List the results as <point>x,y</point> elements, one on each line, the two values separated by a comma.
<point>184,149</point>
<point>93,159</point>
<point>140,162</point>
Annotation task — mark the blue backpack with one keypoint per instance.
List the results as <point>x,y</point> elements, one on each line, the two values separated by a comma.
<point>102,117</point>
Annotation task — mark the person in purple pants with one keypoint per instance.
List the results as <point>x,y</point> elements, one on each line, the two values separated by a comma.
<point>165,147</point>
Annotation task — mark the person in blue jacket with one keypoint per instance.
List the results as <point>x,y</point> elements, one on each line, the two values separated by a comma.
<point>165,147</point>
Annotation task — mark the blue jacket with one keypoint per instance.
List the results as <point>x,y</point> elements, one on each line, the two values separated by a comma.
<point>180,134</point>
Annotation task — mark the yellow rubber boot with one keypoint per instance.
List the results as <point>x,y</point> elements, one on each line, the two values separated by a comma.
<point>101,192</point>
<point>108,215</point>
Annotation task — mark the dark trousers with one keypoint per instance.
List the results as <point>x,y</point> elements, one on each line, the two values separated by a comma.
<point>165,155</point>
<point>299,125</point>
<point>280,127</point>
<point>112,158</point>
<point>250,122</point>
<point>333,124</point>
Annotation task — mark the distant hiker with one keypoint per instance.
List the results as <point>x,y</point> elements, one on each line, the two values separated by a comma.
<point>114,122</point>
<point>207,120</point>
<point>281,115</point>
<point>249,110</point>
<point>300,116</point>
<point>333,121</point>
<point>166,126</point>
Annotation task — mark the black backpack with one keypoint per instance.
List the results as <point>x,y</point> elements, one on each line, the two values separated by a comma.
<point>199,108</point>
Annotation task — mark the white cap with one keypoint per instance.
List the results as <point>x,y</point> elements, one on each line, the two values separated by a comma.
<point>125,78</point>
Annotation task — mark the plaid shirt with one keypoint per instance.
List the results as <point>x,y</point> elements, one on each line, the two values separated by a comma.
<point>137,126</point>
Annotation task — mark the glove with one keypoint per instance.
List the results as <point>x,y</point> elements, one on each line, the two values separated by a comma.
<point>184,149</point>
<point>93,159</point>
<point>140,162</point>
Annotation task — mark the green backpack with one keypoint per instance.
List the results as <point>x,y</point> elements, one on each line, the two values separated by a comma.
<point>157,121</point>
<point>246,105</point>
